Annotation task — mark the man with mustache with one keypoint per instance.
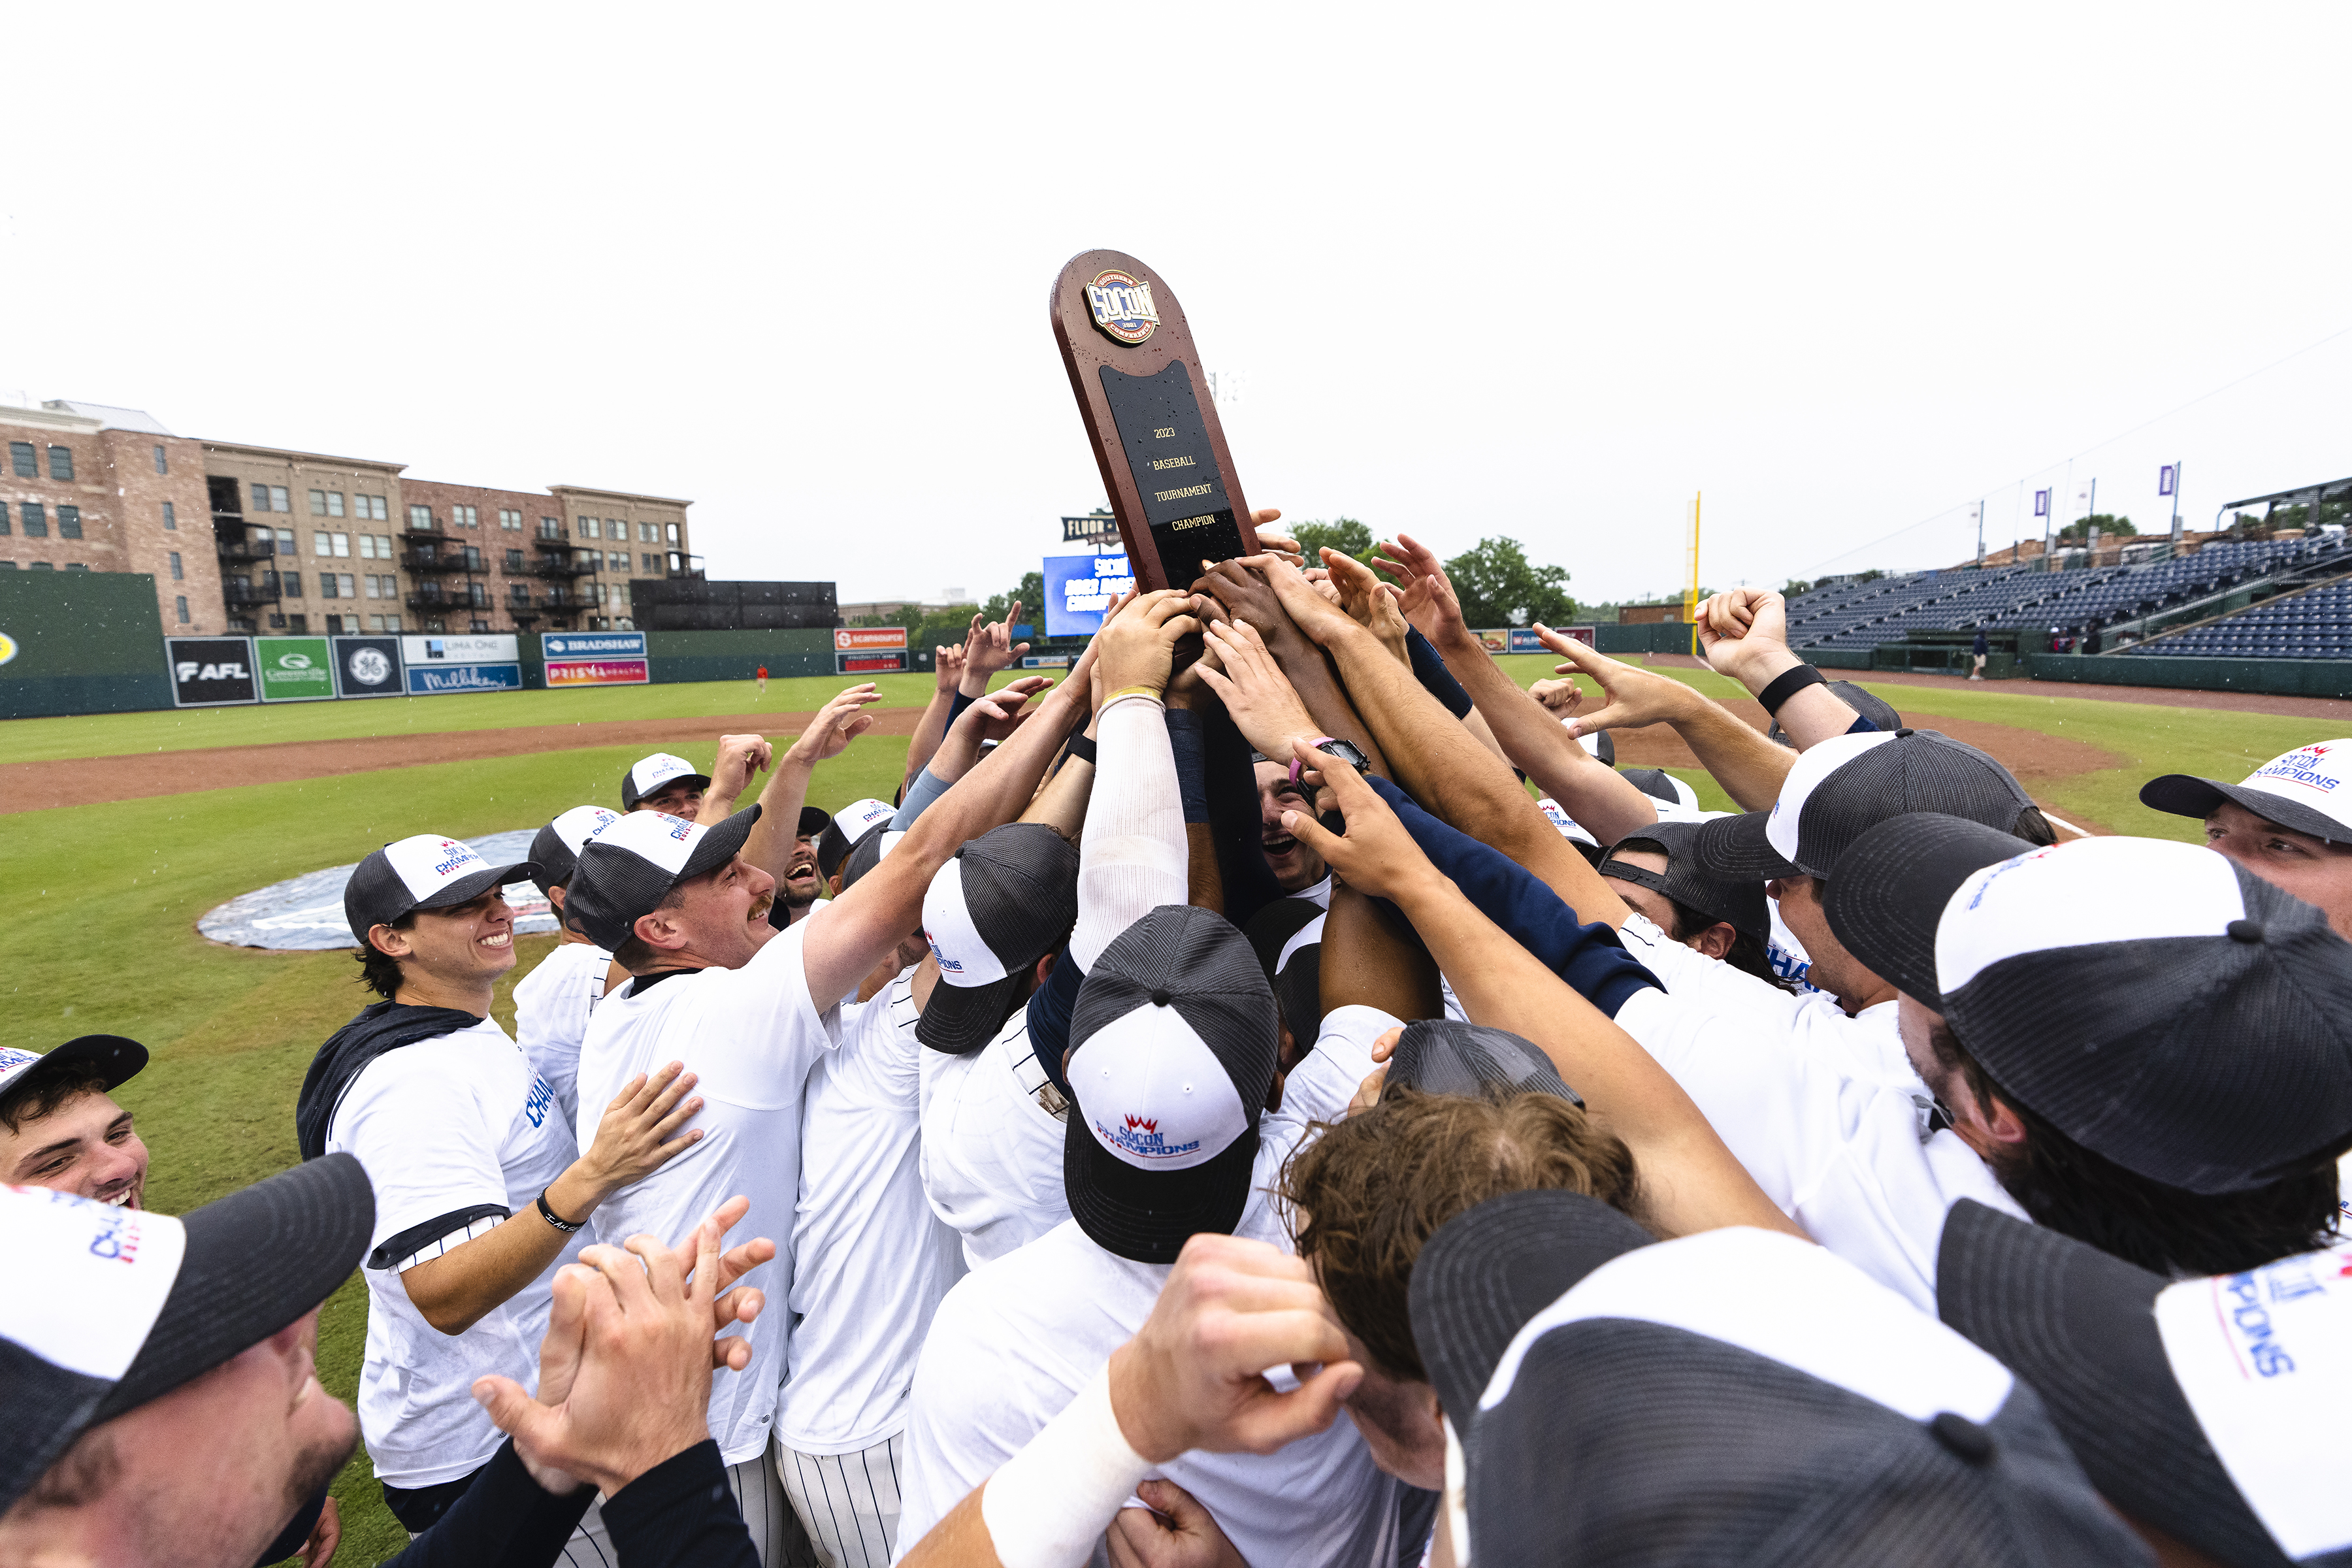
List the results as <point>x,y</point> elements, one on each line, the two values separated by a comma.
<point>1300,869</point>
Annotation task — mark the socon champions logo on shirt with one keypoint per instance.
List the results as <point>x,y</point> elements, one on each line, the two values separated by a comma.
<point>1122,306</point>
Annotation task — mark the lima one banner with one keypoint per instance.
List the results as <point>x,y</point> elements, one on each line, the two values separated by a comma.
<point>595,658</point>
<point>479,661</point>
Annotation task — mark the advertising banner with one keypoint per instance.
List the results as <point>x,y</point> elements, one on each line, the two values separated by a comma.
<point>294,669</point>
<point>1045,661</point>
<point>436,679</point>
<point>474,661</point>
<point>881,662</point>
<point>847,640</point>
<point>367,666</point>
<point>1523,640</point>
<point>211,672</point>
<point>595,658</point>
<point>1079,588</point>
<point>1498,640</point>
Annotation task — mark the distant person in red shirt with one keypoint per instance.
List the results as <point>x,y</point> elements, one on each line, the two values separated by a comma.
<point>763,683</point>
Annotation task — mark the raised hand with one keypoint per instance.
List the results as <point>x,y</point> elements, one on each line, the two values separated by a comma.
<point>948,666</point>
<point>1560,697</point>
<point>1242,594</point>
<point>1376,855</point>
<point>836,724</point>
<point>989,648</point>
<point>1265,706</point>
<point>1317,618</point>
<point>1373,604</point>
<point>1424,594</point>
<point>739,757</point>
<point>1191,1376</point>
<point>1138,649</point>
<point>1636,696</point>
<point>1002,711</point>
<point>1740,628</point>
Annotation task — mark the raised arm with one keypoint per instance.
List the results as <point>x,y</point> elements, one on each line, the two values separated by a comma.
<point>1689,1181</point>
<point>932,727</point>
<point>768,845</point>
<point>1439,763</point>
<point>740,758</point>
<point>1242,594</point>
<point>1745,635</point>
<point>1747,766</point>
<point>1135,855</point>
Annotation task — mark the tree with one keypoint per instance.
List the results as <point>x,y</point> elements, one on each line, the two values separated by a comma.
<point>2103,521</point>
<point>1031,593</point>
<point>1498,586</point>
<point>1794,586</point>
<point>1344,534</point>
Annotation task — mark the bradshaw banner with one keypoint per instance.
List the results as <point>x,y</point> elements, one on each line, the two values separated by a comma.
<point>595,658</point>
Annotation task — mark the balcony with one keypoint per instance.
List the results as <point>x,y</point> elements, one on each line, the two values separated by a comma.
<point>564,566</point>
<point>430,561</point>
<point>434,596</point>
<point>244,549</point>
<point>236,591</point>
<point>428,529</point>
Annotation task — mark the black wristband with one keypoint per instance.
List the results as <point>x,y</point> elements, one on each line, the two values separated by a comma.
<point>1082,748</point>
<point>1787,684</point>
<point>565,1225</point>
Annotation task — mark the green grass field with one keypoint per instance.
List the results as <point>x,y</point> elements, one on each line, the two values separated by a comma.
<point>100,931</point>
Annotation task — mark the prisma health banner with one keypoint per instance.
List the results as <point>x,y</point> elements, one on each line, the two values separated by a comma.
<point>595,658</point>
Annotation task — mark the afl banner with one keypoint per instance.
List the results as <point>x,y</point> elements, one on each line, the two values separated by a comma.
<point>595,658</point>
<point>211,672</point>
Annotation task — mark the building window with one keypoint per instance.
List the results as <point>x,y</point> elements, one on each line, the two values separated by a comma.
<point>290,583</point>
<point>327,503</point>
<point>511,520</point>
<point>270,498</point>
<point>325,544</point>
<point>260,495</point>
<point>480,625</point>
<point>371,507</point>
<point>179,601</point>
<point>344,580</point>
<point>36,519</point>
<point>464,517</point>
<point>420,517</point>
<point>4,519</point>
<point>653,563</point>
<point>292,623</point>
<point>77,566</point>
<point>161,467</point>
<point>514,560</point>
<point>550,528</point>
<point>61,462</point>
<point>170,518</point>
<point>285,541</point>
<point>38,566</point>
<point>648,535</point>
<point>672,532</point>
<point>69,522</point>
<point>520,594</point>
<point>177,575</point>
<point>591,529</point>
<point>20,457</point>
<point>367,546</point>
<point>8,565</point>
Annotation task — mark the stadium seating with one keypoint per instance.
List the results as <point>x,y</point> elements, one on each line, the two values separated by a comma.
<point>1863,614</point>
<point>2314,625</point>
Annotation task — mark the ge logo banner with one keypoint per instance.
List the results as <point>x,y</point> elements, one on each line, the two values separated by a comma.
<point>367,666</point>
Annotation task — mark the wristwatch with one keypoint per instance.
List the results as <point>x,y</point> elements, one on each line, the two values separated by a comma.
<point>1346,751</point>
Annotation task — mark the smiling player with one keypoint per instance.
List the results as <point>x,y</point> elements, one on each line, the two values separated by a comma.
<point>59,1126</point>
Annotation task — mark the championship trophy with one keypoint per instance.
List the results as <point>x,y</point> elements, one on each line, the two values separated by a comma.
<point>1145,401</point>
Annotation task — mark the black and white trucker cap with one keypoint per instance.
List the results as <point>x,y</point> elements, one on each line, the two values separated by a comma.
<point>117,1058</point>
<point>1677,801</point>
<point>1006,899</point>
<point>1739,901</point>
<point>878,842</point>
<point>2216,1410</point>
<point>2305,789</point>
<point>426,872</point>
<point>1175,1038</point>
<point>103,1309</point>
<point>629,868</point>
<point>2158,1002</point>
<point>1734,1396</point>
<point>651,775</point>
<point>1843,787</point>
<point>850,824</point>
<point>1865,704</point>
<point>555,848</point>
<point>813,821</point>
<point>1449,1056</point>
<point>1598,745</point>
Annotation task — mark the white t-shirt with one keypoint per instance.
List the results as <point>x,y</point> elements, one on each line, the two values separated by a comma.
<point>992,1129</point>
<point>870,1261</point>
<point>1824,1119</point>
<point>751,1035</point>
<point>456,1132</point>
<point>551,1007</point>
<point>1014,1343</point>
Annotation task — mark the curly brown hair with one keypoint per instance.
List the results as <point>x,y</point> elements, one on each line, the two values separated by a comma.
<point>1369,1193</point>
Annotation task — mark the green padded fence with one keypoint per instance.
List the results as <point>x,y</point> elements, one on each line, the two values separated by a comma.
<point>2269,676</point>
<point>83,642</point>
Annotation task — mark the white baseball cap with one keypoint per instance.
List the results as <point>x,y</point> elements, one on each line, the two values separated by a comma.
<point>556,847</point>
<point>651,775</point>
<point>628,869</point>
<point>2303,790</point>
<point>426,871</point>
<point>116,1057</point>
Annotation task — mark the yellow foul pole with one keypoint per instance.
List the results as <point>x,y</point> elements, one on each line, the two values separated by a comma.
<point>1690,594</point>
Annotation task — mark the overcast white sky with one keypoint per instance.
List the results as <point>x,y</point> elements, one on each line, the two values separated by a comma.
<point>1534,270</point>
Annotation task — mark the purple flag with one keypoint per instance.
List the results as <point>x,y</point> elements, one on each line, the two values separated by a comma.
<point>2042,503</point>
<point>2165,477</point>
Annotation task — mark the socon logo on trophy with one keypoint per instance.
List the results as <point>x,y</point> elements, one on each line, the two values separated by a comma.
<point>1122,306</point>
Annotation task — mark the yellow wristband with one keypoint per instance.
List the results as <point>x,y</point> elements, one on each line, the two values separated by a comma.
<point>1153,693</point>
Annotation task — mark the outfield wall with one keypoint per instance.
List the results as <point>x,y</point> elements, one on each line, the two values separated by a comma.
<point>79,642</point>
<point>2270,677</point>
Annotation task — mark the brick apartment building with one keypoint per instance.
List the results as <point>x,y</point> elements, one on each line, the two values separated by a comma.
<point>257,539</point>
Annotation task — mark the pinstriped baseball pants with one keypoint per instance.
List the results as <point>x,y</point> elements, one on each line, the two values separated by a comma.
<point>847,1503</point>
<point>776,1532</point>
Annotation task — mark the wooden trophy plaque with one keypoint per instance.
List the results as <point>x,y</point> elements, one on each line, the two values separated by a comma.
<point>1146,403</point>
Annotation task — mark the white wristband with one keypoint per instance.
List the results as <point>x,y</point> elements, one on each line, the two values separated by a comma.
<point>1047,1505</point>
